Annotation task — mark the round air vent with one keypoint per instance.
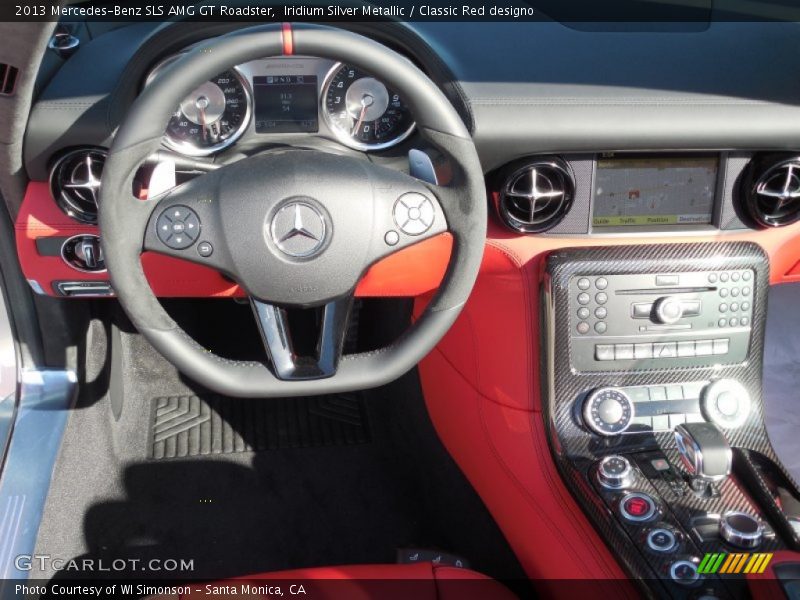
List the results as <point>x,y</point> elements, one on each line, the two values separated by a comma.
<point>536,196</point>
<point>75,183</point>
<point>771,191</point>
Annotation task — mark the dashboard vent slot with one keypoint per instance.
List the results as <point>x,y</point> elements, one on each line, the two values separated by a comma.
<point>75,183</point>
<point>8,79</point>
<point>536,196</point>
<point>772,192</point>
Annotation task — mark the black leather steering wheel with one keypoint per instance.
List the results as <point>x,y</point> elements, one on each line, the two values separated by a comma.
<point>295,229</point>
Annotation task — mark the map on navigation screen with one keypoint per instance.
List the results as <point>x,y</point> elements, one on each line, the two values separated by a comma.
<point>654,191</point>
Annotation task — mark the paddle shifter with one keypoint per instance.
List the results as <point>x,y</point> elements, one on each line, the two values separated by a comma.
<point>705,453</point>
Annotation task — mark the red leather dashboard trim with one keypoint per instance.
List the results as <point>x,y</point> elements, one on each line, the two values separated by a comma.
<point>410,272</point>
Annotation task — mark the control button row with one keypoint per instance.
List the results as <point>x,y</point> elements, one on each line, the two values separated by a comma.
<point>644,310</point>
<point>600,283</point>
<point>600,298</point>
<point>734,292</point>
<point>734,276</point>
<point>667,422</point>
<point>743,321</point>
<point>734,307</point>
<point>661,393</point>
<point>689,348</point>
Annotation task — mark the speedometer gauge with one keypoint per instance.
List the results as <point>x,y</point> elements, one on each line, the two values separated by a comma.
<point>362,112</point>
<point>212,117</point>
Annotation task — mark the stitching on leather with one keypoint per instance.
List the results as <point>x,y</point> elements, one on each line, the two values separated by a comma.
<point>219,359</point>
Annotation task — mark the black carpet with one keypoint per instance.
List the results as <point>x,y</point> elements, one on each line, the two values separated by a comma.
<point>340,480</point>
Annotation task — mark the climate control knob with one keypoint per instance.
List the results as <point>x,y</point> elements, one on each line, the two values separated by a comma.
<point>726,403</point>
<point>608,411</point>
<point>668,310</point>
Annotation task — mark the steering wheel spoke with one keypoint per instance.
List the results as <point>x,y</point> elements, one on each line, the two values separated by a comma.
<point>287,358</point>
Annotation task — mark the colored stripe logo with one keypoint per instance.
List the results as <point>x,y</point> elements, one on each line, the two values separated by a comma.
<point>729,564</point>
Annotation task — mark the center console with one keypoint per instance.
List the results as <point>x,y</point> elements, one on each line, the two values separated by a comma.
<point>652,397</point>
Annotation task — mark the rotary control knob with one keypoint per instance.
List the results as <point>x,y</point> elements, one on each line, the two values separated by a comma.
<point>741,529</point>
<point>726,403</point>
<point>608,411</point>
<point>615,472</point>
<point>668,310</point>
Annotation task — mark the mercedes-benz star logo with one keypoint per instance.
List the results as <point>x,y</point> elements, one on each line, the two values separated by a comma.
<point>298,229</point>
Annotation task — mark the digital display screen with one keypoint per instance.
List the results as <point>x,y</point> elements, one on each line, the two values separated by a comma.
<point>286,103</point>
<point>654,191</point>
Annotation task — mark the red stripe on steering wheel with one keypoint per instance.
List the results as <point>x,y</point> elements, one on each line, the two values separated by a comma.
<point>288,41</point>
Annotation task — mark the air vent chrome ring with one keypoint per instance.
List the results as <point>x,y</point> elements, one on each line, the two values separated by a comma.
<point>536,196</point>
<point>75,183</point>
<point>772,192</point>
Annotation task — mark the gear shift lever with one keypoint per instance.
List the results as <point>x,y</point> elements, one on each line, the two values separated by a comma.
<point>705,453</point>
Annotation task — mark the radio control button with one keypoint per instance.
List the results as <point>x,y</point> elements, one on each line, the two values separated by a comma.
<point>676,420</point>
<point>723,293</point>
<point>601,283</point>
<point>667,280</point>
<point>600,312</point>
<point>638,394</point>
<point>745,306</point>
<point>643,350</point>
<point>734,306</point>
<point>583,283</point>
<point>601,298</point>
<point>723,278</point>
<point>722,322</point>
<point>674,392</point>
<point>721,346</point>
<point>723,307</point>
<point>658,393</point>
<point>712,278</point>
<point>624,351</point>
<point>583,327</point>
<point>746,276</point>
<point>642,310</point>
<point>669,310</point>
<point>745,291</point>
<point>691,308</point>
<point>685,349</point>
<point>744,321</point>
<point>735,277</point>
<point>583,298</point>
<point>665,350</point>
<point>604,352</point>
<point>735,292</point>
<point>733,322</point>
<point>703,348</point>
<point>600,327</point>
<point>583,313</point>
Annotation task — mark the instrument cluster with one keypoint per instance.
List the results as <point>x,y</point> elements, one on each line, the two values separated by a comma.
<point>284,98</point>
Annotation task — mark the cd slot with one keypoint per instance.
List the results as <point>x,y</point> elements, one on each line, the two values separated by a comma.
<point>662,291</point>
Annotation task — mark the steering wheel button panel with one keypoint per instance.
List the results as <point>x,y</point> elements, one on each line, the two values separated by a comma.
<point>178,227</point>
<point>414,213</point>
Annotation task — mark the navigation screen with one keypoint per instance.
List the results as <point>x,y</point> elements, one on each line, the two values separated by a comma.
<point>654,191</point>
<point>286,103</point>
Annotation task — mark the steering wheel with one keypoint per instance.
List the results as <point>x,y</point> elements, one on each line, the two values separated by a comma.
<point>296,228</point>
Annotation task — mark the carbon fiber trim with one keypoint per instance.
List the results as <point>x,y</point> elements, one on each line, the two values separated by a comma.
<point>576,450</point>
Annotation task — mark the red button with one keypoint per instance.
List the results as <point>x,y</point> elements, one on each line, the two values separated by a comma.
<point>637,507</point>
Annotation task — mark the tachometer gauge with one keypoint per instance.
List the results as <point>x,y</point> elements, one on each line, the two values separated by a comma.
<point>362,112</point>
<point>212,117</point>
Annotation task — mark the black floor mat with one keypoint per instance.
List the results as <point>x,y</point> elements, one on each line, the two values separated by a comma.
<point>372,478</point>
<point>185,426</point>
